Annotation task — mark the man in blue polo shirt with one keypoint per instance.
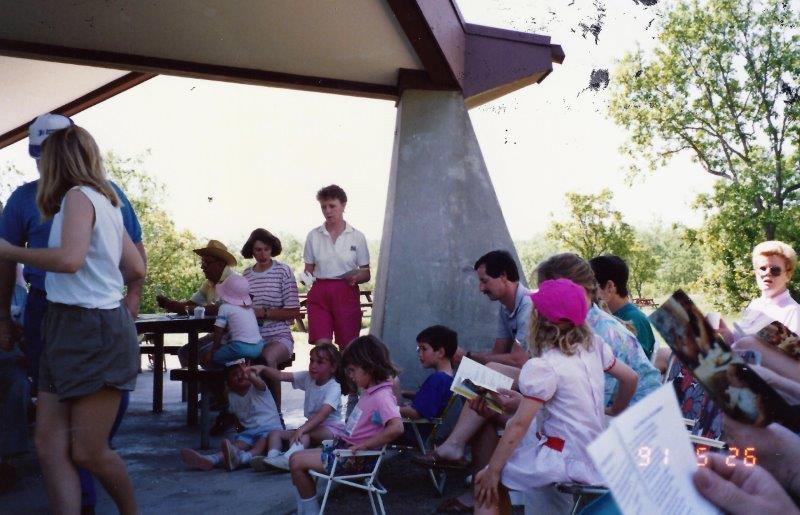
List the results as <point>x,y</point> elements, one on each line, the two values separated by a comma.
<point>21,224</point>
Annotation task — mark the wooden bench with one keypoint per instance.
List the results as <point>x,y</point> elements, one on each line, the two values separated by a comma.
<point>205,378</point>
<point>367,294</point>
<point>146,346</point>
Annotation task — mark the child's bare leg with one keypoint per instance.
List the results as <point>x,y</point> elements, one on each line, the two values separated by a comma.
<point>259,447</point>
<point>468,424</point>
<point>317,435</point>
<point>299,465</point>
<point>503,507</point>
<point>276,439</point>
<point>241,445</point>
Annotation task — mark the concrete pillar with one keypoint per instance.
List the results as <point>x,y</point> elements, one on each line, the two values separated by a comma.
<point>442,214</point>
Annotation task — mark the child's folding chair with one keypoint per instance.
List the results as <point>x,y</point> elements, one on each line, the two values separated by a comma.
<point>581,494</point>
<point>367,481</point>
<point>425,445</point>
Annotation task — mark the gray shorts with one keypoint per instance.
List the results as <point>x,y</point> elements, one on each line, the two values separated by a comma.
<point>86,350</point>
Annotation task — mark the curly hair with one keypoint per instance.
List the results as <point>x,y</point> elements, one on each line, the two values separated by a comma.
<point>265,237</point>
<point>565,336</point>
<point>332,192</point>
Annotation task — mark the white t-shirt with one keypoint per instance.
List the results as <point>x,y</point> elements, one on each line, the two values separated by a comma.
<point>764,310</point>
<point>241,322</point>
<point>255,409</point>
<point>317,396</point>
<point>98,283</point>
<point>331,259</point>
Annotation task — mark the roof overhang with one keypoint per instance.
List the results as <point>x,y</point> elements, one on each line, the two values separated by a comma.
<point>353,47</point>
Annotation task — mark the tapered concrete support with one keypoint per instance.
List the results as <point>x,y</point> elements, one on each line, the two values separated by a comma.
<point>442,214</point>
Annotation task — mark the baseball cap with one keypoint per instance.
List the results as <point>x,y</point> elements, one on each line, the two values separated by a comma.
<point>41,128</point>
<point>559,300</point>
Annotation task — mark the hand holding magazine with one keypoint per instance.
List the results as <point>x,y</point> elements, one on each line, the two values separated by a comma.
<point>730,382</point>
<point>475,380</point>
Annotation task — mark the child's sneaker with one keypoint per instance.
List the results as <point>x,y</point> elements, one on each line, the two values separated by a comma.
<point>259,464</point>
<point>196,460</point>
<point>279,462</point>
<point>230,455</point>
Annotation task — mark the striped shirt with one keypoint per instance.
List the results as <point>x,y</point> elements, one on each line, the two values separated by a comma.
<point>274,288</point>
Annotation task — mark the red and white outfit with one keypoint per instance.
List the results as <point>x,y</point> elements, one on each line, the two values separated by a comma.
<point>572,389</point>
<point>334,306</point>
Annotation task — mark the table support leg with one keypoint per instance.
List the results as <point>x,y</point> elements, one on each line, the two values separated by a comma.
<point>205,422</point>
<point>191,404</point>
<point>158,373</point>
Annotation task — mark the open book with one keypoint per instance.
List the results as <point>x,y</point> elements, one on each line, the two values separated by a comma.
<point>475,380</point>
<point>646,458</point>
<point>732,384</point>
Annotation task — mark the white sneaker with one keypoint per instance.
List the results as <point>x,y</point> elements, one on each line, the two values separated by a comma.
<point>279,462</point>
<point>259,464</point>
<point>230,455</point>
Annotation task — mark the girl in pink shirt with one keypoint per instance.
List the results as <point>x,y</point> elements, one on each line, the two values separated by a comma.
<point>374,422</point>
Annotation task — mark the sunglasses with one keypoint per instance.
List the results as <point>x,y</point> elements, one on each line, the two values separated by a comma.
<point>774,271</point>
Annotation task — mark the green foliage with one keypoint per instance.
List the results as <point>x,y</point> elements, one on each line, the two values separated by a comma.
<point>722,86</point>
<point>10,178</point>
<point>172,267</point>
<point>534,251</point>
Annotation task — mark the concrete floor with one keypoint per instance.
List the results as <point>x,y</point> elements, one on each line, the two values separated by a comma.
<point>149,444</point>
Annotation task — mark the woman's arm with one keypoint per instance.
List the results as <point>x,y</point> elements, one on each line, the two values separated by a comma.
<point>309,268</point>
<point>627,387</point>
<point>76,237</point>
<point>277,313</point>
<point>131,264</point>
<point>391,432</point>
<point>771,357</point>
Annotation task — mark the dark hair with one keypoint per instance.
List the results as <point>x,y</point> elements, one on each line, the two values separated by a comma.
<point>331,192</point>
<point>499,262</point>
<point>330,352</point>
<point>611,268</point>
<point>438,337</point>
<point>264,236</point>
<point>568,266</point>
<point>370,354</point>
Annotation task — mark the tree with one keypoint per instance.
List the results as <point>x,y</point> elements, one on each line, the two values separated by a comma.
<point>722,86</point>
<point>172,269</point>
<point>592,226</point>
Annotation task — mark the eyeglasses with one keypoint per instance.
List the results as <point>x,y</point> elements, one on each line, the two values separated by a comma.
<point>774,271</point>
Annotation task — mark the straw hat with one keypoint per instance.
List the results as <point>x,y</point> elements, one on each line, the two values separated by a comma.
<point>217,249</point>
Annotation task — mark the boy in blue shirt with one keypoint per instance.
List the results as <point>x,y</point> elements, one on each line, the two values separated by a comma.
<point>436,346</point>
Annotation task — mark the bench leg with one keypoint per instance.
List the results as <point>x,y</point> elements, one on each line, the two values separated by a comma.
<point>205,418</point>
<point>191,404</point>
<point>158,373</point>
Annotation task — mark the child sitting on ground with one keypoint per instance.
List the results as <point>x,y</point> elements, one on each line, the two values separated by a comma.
<point>566,374</point>
<point>237,315</point>
<point>253,405</point>
<point>436,346</point>
<point>322,407</point>
<point>374,422</point>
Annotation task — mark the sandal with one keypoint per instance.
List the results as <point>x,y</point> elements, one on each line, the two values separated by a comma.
<point>453,505</point>
<point>433,461</point>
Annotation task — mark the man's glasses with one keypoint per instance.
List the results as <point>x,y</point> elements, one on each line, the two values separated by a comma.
<point>774,271</point>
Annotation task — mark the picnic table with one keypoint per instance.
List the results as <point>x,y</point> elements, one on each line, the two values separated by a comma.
<point>367,294</point>
<point>156,326</point>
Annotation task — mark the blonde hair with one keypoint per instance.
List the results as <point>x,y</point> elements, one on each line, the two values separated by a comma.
<point>568,266</point>
<point>566,337</point>
<point>70,157</point>
<point>777,248</point>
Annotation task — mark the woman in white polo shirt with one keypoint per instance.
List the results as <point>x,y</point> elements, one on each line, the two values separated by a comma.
<point>336,255</point>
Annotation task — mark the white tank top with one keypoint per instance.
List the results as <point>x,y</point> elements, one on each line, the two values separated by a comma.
<point>98,283</point>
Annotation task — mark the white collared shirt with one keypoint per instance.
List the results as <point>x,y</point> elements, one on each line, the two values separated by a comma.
<point>764,310</point>
<point>330,259</point>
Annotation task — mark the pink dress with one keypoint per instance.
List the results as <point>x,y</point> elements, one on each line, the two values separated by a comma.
<point>572,389</point>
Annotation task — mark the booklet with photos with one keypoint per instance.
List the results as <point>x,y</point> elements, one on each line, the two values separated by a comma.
<point>475,380</point>
<point>732,384</point>
<point>782,338</point>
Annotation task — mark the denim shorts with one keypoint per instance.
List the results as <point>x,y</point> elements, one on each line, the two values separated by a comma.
<point>235,350</point>
<point>345,466</point>
<point>250,436</point>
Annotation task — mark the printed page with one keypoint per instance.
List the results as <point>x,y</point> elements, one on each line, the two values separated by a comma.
<point>480,375</point>
<point>648,461</point>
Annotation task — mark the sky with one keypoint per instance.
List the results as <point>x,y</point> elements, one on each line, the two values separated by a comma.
<point>235,157</point>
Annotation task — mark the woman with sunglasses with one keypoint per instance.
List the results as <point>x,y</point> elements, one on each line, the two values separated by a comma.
<point>774,263</point>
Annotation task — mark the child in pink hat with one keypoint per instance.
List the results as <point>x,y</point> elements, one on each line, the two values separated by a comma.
<point>566,374</point>
<point>237,316</point>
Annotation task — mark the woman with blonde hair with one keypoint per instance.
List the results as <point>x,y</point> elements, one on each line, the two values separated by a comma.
<point>91,350</point>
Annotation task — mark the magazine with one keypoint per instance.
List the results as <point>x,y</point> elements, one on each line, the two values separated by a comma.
<point>475,380</point>
<point>735,388</point>
<point>779,336</point>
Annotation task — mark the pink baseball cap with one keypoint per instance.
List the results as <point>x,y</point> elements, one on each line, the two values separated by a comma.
<point>235,290</point>
<point>559,300</point>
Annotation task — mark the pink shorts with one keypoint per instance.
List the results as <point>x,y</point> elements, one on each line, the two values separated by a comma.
<point>334,312</point>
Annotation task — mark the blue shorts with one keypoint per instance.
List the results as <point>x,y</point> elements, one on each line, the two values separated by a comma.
<point>250,436</point>
<point>345,466</point>
<point>235,350</point>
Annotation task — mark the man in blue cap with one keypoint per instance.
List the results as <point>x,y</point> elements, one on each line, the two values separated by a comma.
<point>21,224</point>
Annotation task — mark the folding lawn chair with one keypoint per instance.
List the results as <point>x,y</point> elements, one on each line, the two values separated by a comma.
<point>425,445</point>
<point>581,494</point>
<point>367,481</point>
